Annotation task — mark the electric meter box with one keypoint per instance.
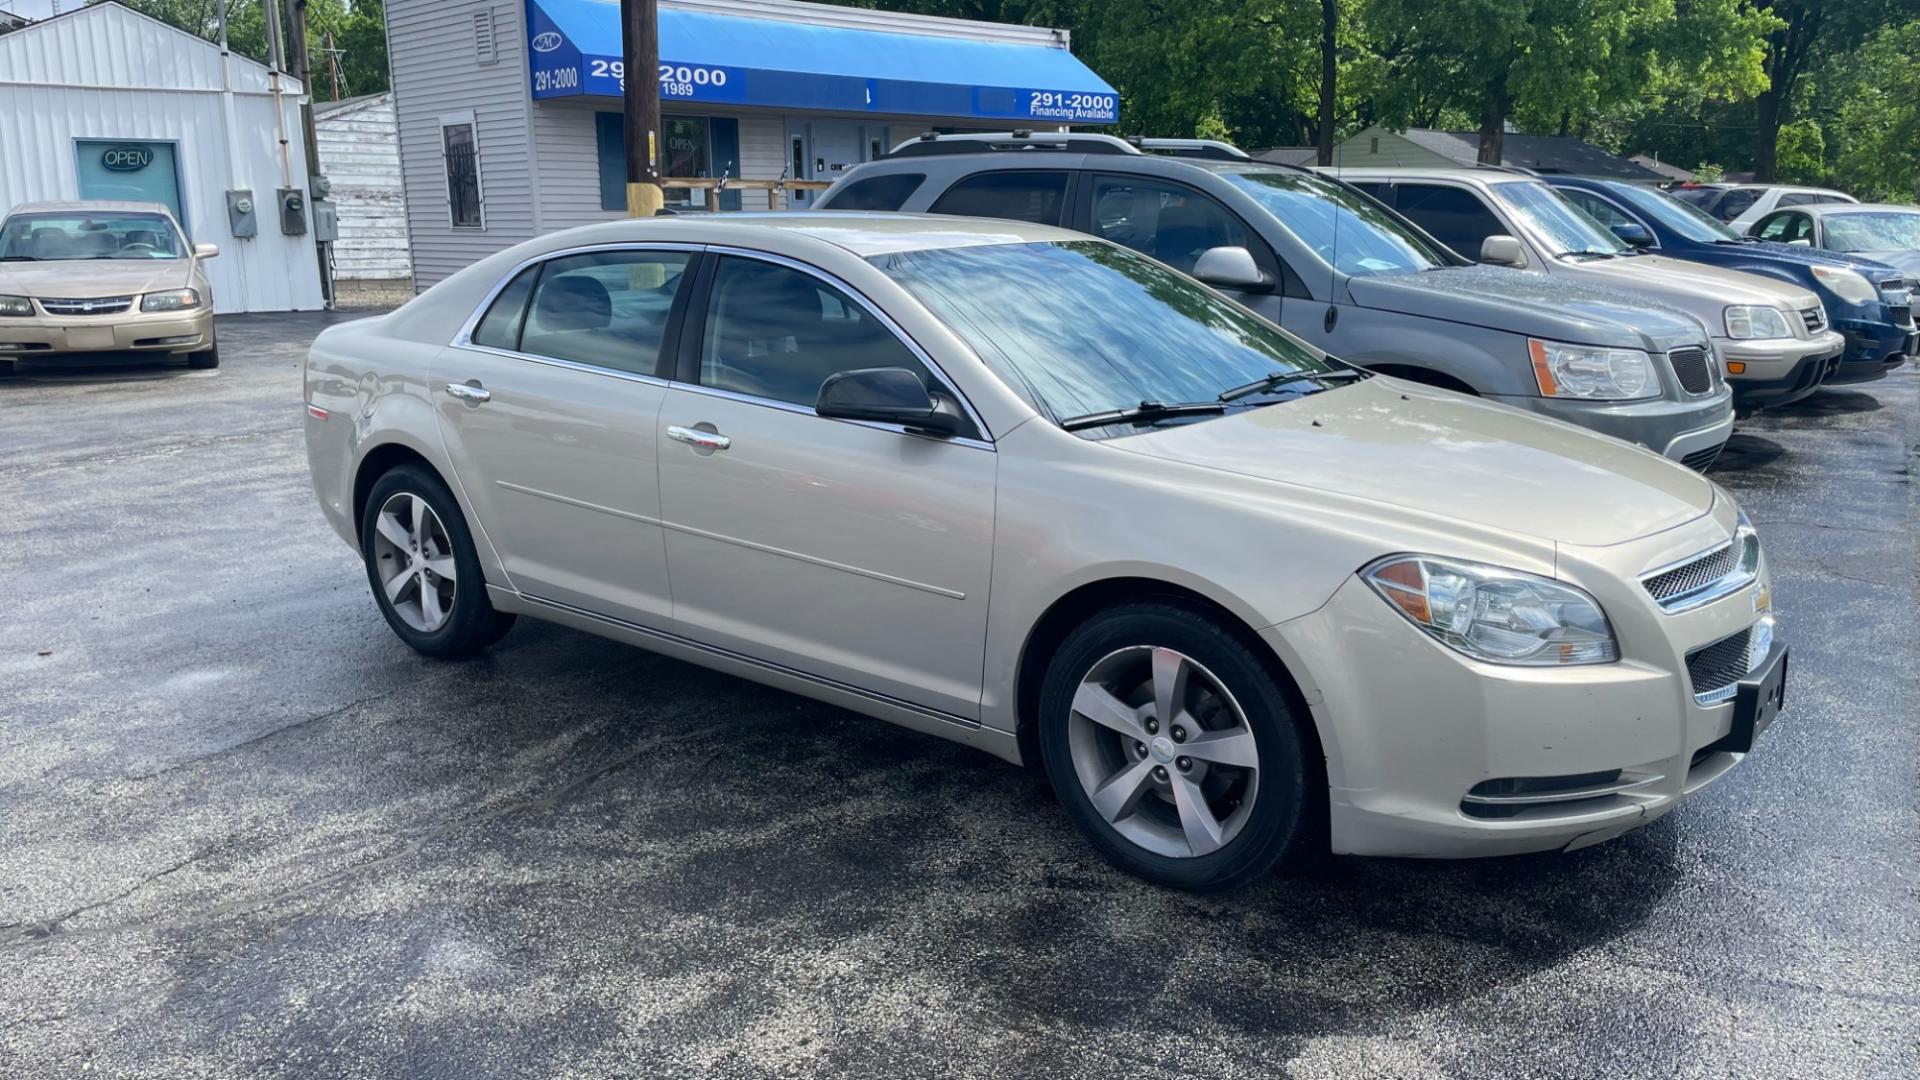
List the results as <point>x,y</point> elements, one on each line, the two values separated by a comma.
<point>241,219</point>
<point>326,221</point>
<point>293,211</point>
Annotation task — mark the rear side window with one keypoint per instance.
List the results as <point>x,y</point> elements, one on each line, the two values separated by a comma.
<point>500,327</point>
<point>888,191</point>
<point>1801,198</point>
<point>1735,203</point>
<point>605,308</point>
<point>1454,216</point>
<point>1378,189</point>
<point>1034,196</point>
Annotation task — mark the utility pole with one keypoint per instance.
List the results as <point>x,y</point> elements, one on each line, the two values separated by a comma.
<point>640,88</point>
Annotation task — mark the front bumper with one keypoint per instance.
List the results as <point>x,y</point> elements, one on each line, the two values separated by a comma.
<point>1405,754</point>
<point>1873,349</point>
<point>1689,430</point>
<point>171,331</point>
<point>1775,372</point>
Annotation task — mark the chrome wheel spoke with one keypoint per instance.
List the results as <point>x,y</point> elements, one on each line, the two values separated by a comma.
<point>430,607</point>
<point>1117,797</point>
<point>1233,746</point>
<point>1097,703</point>
<point>414,559</point>
<point>421,515</point>
<point>1203,830</point>
<point>442,567</point>
<point>393,531</point>
<point>397,584</point>
<point>1170,672</point>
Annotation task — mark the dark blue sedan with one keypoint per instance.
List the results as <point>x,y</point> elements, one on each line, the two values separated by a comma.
<point>1867,301</point>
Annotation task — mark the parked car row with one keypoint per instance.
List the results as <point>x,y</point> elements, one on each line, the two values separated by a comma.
<point>1036,488</point>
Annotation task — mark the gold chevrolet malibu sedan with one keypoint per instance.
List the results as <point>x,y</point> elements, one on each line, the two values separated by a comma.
<point>1039,494</point>
<point>102,277</point>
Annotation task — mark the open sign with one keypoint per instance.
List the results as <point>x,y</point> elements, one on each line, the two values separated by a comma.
<point>126,158</point>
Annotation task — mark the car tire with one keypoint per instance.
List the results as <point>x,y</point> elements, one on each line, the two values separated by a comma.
<point>1134,795</point>
<point>210,358</point>
<point>407,560</point>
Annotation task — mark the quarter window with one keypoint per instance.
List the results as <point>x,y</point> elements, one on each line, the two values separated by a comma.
<point>775,332</point>
<point>1453,216</point>
<point>888,191</point>
<point>1171,223</point>
<point>500,327</point>
<point>605,308</point>
<point>1024,195</point>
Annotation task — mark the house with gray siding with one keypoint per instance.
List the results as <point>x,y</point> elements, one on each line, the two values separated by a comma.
<point>509,114</point>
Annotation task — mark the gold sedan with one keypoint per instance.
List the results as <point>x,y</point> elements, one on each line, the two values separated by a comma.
<point>103,277</point>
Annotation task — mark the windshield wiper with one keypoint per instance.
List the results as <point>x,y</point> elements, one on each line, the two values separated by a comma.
<point>1147,412</point>
<point>1281,379</point>
<point>1586,254</point>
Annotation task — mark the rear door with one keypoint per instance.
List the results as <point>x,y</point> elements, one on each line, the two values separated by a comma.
<point>548,405</point>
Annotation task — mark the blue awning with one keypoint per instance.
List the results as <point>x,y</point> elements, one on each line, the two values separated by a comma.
<point>737,60</point>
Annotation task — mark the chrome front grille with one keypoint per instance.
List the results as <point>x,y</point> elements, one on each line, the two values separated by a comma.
<point>94,305</point>
<point>1691,367</point>
<point>1814,318</point>
<point>1706,577</point>
<point>1715,670</point>
<point>1900,300</point>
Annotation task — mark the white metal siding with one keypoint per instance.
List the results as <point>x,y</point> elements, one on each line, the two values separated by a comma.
<point>108,73</point>
<point>360,155</point>
<point>436,72</point>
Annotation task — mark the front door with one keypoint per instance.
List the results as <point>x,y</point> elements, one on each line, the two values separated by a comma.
<point>548,415</point>
<point>853,552</point>
<point>129,170</point>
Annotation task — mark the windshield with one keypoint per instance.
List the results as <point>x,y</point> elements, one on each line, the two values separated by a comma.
<point>1087,326</point>
<point>1876,230</point>
<point>1682,217</point>
<point>1555,223</point>
<point>1355,234</point>
<point>73,235</point>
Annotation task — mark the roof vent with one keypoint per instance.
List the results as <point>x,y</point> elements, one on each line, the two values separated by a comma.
<point>486,46</point>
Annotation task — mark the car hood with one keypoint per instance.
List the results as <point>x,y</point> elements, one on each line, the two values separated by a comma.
<point>1809,256</point>
<point>1445,454</point>
<point>1501,298</point>
<point>1691,283</point>
<point>93,277</point>
<point>1907,262</point>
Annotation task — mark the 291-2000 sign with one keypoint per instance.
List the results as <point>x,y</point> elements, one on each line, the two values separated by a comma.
<point>676,80</point>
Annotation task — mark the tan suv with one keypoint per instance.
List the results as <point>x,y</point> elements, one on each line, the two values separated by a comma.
<point>103,277</point>
<point>1032,491</point>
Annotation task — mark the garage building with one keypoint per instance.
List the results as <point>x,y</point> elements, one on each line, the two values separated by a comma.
<point>510,121</point>
<point>105,103</point>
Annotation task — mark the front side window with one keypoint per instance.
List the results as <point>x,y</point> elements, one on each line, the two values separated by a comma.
<point>1785,228</point>
<point>1454,216</point>
<point>1877,230</point>
<point>1354,234</point>
<point>1087,327</point>
<point>1596,207</point>
<point>605,308</point>
<point>888,191</point>
<point>1172,223</point>
<point>1034,196</point>
<point>776,332</point>
<point>70,235</point>
<point>1554,224</point>
<point>463,175</point>
<point>1682,217</point>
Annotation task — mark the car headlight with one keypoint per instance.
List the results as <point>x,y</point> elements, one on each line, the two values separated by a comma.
<point>1846,284</point>
<point>175,300</point>
<point>1496,615</point>
<point>1583,371</point>
<point>1744,321</point>
<point>15,305</point>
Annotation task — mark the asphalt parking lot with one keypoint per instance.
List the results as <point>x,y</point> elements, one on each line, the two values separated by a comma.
<point>244,832</point>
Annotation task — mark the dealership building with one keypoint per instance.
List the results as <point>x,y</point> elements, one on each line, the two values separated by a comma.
<point>510,115</point>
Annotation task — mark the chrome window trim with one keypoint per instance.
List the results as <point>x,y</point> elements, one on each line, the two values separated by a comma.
<point>914,347</point>
<point>803,410</point>
<point>463,338</point>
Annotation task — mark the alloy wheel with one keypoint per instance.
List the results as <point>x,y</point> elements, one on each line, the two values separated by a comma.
<point>413,557</point>
<point>1163,751</point>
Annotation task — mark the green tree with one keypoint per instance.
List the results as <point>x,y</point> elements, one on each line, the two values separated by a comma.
<point>359,31</point>
<point>1808,31</point>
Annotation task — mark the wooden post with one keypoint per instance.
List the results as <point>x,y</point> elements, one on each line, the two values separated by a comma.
<point>640,56</point>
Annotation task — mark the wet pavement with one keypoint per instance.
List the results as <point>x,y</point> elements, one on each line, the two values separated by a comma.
<point>243,832</point>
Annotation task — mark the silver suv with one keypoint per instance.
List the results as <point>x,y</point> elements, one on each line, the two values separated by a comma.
<point>1323,260</point>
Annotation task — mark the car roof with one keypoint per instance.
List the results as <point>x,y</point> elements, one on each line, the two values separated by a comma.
<point>110,206</point>
<point>1465,175</point>
<point>1833,208</point>
<point>863,234</point>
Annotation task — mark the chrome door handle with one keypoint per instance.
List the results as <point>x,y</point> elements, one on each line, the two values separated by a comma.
<point>705,440</point>
<point>469,392</point>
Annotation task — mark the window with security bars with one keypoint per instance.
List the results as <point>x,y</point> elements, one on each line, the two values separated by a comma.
<point>463,176</point>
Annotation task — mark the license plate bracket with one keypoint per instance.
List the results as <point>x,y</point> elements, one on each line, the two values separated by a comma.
<point>1758,700</point>
<point>90,337</point>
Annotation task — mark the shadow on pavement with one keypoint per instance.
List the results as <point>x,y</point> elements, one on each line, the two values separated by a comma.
<point>1747,453</point>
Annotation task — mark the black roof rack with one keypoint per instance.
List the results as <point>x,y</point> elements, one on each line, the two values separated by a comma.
<point>1018,140</point>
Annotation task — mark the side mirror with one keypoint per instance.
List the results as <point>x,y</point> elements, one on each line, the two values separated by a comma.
<point>1230,268</point>
<point>205,251</point>
<point>1503,251</point>
<point>1634,234</point>
<point>1802,242</point>
<point>889,395</point>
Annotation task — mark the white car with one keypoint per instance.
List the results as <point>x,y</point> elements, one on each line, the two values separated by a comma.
<point>1740,205</point>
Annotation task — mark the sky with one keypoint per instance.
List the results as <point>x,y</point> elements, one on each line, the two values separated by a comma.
<point>37,9</point>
